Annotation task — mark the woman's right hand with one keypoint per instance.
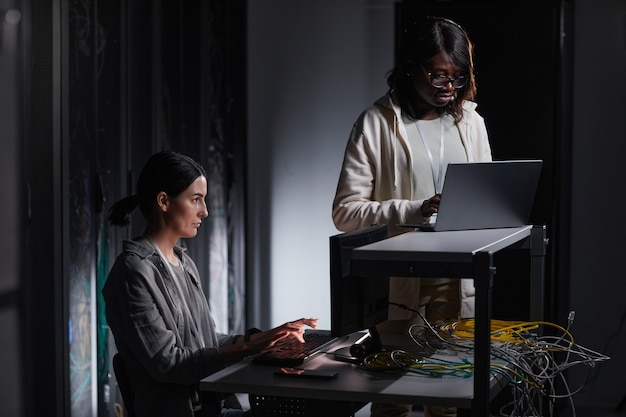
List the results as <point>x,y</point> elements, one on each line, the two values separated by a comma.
<point>430,206</point>
<point>262,341</point>
<point>292,329</point>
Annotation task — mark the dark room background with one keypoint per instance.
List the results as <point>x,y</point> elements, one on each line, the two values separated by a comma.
<point>265,93</point>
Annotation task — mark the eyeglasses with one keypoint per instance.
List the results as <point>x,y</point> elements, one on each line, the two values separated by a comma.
<point>440,80</point>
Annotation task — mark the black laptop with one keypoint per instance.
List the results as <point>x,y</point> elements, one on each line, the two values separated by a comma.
<point>486,195</point>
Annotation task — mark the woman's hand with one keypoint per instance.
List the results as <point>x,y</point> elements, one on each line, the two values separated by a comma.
<point>430,206</point>
<point>292,329</point>
<point>264,340</point>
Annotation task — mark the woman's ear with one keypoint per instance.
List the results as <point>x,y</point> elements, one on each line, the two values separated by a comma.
<point>163,201</point>
<point>410,68</point>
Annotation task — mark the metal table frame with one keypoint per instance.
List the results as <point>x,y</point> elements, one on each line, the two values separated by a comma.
<point>460,254</point>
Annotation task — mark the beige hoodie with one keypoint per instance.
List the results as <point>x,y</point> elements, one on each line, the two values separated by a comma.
<point>376,183</point>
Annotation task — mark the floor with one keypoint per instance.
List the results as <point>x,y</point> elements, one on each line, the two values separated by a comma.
<point>365,411</point>
<point>582,412</point>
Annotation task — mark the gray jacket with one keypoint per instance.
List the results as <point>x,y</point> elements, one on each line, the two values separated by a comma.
<point>146,315</point>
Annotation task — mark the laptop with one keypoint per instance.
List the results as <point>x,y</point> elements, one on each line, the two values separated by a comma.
<point>486,195</point>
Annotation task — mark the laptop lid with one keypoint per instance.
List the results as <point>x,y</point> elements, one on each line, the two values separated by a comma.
<point>487,195</point>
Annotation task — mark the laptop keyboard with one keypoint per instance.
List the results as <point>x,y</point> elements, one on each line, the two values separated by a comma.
<point>291,352</point>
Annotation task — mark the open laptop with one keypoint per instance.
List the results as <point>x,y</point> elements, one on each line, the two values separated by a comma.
<point>486,195</point>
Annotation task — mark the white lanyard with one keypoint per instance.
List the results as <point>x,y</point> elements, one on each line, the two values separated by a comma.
<point>437,177</point>
<point>180,291</point>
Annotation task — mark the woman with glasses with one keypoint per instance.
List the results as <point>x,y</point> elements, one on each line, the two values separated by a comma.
<point>396,158</point>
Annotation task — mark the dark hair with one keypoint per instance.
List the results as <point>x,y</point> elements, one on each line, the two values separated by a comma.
<point>420,42</point>
<point>165,171</point>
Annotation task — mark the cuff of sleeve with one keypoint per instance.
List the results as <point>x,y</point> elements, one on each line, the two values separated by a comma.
<point>249,333</point>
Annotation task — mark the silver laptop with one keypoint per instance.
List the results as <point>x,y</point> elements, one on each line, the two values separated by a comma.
<point>486,195</point>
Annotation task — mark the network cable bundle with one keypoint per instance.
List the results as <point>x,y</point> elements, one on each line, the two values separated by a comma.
<point>528,357</point>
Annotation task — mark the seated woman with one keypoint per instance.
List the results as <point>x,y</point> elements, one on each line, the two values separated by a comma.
<point>155,306</point>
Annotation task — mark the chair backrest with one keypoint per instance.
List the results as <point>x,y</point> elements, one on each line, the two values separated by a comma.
<point>123,383</point>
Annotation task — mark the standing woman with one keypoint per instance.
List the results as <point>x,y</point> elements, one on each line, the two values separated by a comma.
<point>396,158</point>
<point>155,305</point>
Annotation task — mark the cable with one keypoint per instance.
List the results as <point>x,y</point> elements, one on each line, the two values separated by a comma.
<point>530,364</point>
<point>399,360</point>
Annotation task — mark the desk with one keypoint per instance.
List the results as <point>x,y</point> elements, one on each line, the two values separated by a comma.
<point>464,254</point>
<point>353,383</point>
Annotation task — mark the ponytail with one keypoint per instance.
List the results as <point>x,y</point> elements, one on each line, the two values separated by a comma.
<point>119,213</point>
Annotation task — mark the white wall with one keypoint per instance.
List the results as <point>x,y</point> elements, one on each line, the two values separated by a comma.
<point>313,67</point>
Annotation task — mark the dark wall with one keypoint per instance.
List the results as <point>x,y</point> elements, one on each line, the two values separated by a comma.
<point>10,163</point>
<point>106,84</point>
<point>43,335</point>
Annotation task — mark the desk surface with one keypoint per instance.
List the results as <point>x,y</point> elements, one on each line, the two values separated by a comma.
<point>455,246</point>
<point>353,383</point>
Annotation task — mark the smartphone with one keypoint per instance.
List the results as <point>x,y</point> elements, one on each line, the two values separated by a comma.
<point>306,373</point>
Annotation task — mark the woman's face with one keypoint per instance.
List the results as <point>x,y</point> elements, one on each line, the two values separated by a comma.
<point>185,212</point>
<point>429,98</point>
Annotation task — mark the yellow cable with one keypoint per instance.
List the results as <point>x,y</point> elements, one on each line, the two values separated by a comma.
<point>502,330</point>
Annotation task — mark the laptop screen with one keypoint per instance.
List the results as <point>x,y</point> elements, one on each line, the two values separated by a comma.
<point>487,195</point>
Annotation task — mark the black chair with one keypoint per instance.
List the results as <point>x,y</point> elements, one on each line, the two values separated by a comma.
<point>122,382</point>
<point>211,401</point>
